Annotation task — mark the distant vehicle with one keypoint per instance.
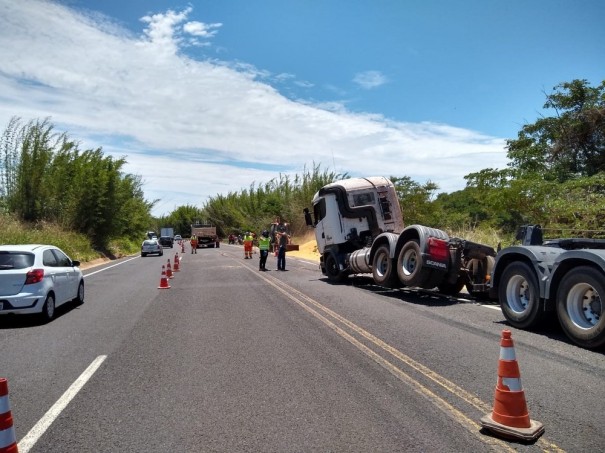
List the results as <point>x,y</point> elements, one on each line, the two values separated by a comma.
<point>206,235</point>
<point>166,241</point>
<point>178,237</point>
<point>151,246</point>
<point>167,237</point>
<point>35,279</point>
<point>151,234</point>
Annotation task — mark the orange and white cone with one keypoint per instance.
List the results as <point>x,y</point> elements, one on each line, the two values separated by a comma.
<point>177,265</point>
<point>510,417</point>
<point>169,270</point>
<point>8,440</point>
<point>164,280</point>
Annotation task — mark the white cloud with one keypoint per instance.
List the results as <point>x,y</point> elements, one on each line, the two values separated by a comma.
<point>369,79</point>
<point>198,128</point>
<point>201,29</point>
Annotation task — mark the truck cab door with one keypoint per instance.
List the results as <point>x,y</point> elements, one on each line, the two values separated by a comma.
<point>328,229</point>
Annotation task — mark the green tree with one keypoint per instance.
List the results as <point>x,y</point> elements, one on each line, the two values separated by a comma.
<point>415,200</point>
<point>569,144</point>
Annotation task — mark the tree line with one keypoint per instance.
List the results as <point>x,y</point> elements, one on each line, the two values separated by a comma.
<point>555,177</point>
<point>45,177</point>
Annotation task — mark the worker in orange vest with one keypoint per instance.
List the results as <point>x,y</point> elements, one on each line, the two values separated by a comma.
<point>193,244</point>
<point>248,241</point>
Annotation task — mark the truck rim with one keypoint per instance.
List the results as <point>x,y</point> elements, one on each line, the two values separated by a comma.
<point>584,306</point>
<point>382,263</point>
<point>518,294</point>
<point>409,262</point>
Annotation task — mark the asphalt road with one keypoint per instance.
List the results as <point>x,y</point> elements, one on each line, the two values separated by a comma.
<point>231,359</point>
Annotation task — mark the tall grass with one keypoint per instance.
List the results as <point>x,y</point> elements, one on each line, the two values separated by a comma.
<point>76,245</point>
<point>483,235</point>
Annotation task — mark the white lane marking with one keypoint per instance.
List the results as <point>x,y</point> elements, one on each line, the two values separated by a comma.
<point>493,307</point>
<point>30,439</point>
<point>109,267</point>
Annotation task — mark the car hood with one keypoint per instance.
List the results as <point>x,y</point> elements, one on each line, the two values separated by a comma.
<point>11,282</point>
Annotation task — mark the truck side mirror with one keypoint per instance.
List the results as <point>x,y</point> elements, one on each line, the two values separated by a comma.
<point>308,219</point>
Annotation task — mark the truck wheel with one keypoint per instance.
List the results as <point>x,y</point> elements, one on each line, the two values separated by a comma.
<point>332,269</point>
<point>383,269</point>
<point>580,307</point>
<point>409,265</point>
<point>520,296</point>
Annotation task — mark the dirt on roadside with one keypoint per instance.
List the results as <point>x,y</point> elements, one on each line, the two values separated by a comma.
<point>307,248</point>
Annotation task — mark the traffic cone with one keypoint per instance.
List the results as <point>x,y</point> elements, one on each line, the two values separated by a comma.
<point>183,247</point>
<point>164,280</point>
<point>8,440</point>
<point>177,266</point>
<point>510,417</point>
<point>169,269</point>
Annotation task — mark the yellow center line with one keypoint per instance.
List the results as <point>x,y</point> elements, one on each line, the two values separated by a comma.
<point>300,298</point>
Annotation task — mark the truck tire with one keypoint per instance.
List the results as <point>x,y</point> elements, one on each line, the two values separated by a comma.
<point>409,265</point>
<point>332,269</point>
<point>383,269</point>
<point>519,296</point>
<point>580,308</point>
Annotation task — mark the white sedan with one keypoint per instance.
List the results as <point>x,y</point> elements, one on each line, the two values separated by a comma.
<point>150,246</point>
<point>35,279</point>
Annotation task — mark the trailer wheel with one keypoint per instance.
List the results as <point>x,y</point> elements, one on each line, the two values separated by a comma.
<point>383,269</point>
<point>332,269</point>
<point>409,264</point>
<point>580,307</point>
<point>520,296</point>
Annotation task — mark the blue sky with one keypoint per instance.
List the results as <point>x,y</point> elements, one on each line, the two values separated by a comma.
<point>209,97</point>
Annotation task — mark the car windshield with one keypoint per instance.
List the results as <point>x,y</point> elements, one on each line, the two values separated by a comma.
<point>15,260</point>
<point>150,242</point>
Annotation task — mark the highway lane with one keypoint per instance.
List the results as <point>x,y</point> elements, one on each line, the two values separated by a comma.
<point>230,359</point>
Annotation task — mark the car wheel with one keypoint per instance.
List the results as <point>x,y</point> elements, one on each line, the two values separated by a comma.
<point>143,255</point>
<point>79,300</point>
<point>162,253</point>
<point>48,309</point>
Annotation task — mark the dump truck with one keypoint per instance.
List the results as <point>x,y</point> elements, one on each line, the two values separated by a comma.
<point>540,277</point>
<point>206,235</point>
<point>359,229</point>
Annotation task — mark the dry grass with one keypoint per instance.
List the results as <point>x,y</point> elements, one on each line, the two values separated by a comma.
<point>77,246</point>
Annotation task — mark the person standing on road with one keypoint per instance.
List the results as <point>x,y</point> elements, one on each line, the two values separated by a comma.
<point>282,239</point>
<point>263,246</point>
<point>193,244</point>
<point>248,241</point>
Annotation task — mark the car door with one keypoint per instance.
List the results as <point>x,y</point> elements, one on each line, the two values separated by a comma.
<point>53,272</point>
<point>70,277</point>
